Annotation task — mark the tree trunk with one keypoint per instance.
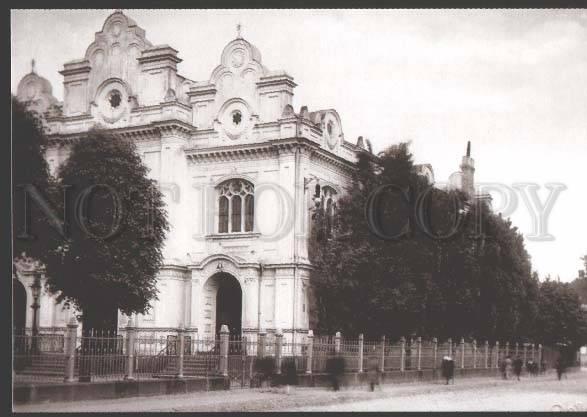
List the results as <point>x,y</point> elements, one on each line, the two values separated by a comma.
<point>99,338</point>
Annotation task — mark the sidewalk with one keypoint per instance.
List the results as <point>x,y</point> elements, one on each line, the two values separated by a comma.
<point>277,399</point>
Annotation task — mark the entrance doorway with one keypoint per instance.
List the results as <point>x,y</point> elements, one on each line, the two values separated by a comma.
<point>229,304</point>
<point>222,304</point>
<point>18,307</point>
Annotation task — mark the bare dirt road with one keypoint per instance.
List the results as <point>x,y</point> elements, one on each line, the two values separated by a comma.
<point>543,393</point>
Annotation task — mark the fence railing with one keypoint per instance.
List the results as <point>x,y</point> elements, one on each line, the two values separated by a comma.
<point>93,356</point>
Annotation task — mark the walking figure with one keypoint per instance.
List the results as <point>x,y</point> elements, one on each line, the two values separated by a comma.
<point>518,364</point>
<point>448,369</point>
<point>335,369</point>
<point>373,371</point>
<point>560,368</point>
<point>508,367</point>
<point>502,369</point>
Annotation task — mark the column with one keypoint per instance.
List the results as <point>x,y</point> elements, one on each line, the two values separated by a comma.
<point>435,352</point>
<point>419,341</point>
<point>224,337</point>
<point>261,344</point>
<point>70,353</point>
<point>486,354</point>
<point>181,337</point>
<point>361,352</point>
<point>382,357</point>
<point>402,343</point>
<point>309,351</point>
<point>278,345</point>
<point>130,349</point>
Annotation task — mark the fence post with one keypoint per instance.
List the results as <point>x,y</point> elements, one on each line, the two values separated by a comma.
<point>487,354</point>
<point>261,343</point>
<point>524,353</point>
<point>309,351</point>
<point>497,354</point>
<point>181,338</point>
<point>449,347</point>
<point>434,351</point>
<point>70,353</point>
<point>130,349</point>
<point>361,353</point>
<point>474,354</point>
<point>462,353</point>
<point>532,349</point>
<point>507,349</point>
<point>540,357</point>
<point>402,344</point>
<point>517,353</point>
<point>224,338</point>
<point>278,344</point>
<point>382,361</point>
<point>419,341</point>
<point>337,343</point>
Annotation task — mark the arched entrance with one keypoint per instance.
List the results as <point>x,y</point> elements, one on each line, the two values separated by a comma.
<point>223,303</point>
<point>19,306</point>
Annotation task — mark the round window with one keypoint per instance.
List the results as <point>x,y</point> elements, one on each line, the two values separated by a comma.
<point>114,98</point>
<point>237,117</point>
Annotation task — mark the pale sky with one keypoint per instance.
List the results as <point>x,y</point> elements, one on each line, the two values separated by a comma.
<point>513,82</point>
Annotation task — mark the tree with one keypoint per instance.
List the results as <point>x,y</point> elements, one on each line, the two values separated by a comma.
<point>32,230</point>
<point>440,276</point>
<point>561,319</point>
<point>111,259</point>
<point>579,284</point>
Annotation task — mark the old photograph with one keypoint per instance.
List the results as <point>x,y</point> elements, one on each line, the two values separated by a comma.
<point>298,210</point>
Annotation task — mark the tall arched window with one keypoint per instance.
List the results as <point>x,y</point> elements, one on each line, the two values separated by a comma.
<point>236,206</point>
<point>329,205</point>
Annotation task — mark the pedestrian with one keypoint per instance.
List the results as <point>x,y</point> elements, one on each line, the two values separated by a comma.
<point>560,368</point>
<point>448,369</point>
<point>508,366</point>
<point>373,371</point>
<point>502,369</point>
<point>289,373</point>
<point>335,369</point>
<point>518,364</point>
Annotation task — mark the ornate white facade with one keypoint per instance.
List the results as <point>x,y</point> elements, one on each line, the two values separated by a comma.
<point>237,164</point>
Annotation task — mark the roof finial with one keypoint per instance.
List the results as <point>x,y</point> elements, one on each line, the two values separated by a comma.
<point>469,148</point>
<point>238,31</point>
<point>33,65</point>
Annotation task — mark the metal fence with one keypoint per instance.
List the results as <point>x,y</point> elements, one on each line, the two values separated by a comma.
<point>49,358</point>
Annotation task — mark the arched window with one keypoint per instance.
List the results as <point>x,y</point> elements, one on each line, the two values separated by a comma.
<point>236,206</point>
<point>329,205</point>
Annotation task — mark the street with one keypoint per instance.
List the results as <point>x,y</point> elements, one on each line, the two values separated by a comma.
<point>543,393</point>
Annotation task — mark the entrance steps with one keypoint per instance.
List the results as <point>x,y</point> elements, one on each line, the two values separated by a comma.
<point>193,365</point>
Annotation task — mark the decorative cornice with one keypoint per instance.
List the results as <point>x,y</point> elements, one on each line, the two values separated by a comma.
<point>223,257</point>
<point>174,126</point>
<point>140,109</point>
<point>276,80</point>
<point>202,90</point>
<point>176,267</point>
<point>151,131</point>
<point>233,236</point>
<point>76,67</point>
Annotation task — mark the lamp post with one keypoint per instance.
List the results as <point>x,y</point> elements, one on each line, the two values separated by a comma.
<point>36,291</point>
